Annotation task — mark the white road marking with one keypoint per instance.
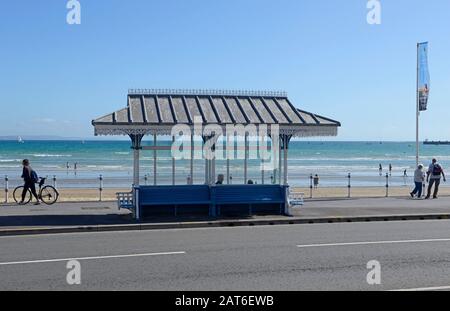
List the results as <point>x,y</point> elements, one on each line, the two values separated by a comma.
<point>88,258</point>
<point>422,289</point>
<point>373,243</point>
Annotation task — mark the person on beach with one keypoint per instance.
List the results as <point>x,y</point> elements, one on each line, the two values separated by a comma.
<point>380,169</point>
<point>316,181</point>
<point>419,177</point>
<point>434,174</point>
<point>390,169</point>
<point>30,179</point>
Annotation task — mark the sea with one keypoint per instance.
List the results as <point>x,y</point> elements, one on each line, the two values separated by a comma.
<point>113,160</point>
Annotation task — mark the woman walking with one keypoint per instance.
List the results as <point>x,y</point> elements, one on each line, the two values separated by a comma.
<point>29,178</point>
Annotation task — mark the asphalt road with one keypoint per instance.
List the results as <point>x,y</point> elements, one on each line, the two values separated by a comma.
<point>292,257</point>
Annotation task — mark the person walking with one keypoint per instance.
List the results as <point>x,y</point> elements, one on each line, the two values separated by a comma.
<point>390,169</point>
<point>380,169</point>
<point>30,179</point>
<point>316,181</point>
<point>434,174</point>
<point>419,177</point>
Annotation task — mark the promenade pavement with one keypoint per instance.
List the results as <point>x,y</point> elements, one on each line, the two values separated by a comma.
<point>107,214</point>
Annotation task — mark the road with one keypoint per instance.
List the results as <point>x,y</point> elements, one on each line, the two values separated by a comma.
<point>413,255</point>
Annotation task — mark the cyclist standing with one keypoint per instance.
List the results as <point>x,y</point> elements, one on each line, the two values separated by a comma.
<point>30,178</point>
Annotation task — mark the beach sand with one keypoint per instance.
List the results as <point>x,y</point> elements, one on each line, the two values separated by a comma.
<point>109,194</point>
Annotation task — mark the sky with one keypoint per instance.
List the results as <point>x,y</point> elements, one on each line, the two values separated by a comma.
<point>55,77</point>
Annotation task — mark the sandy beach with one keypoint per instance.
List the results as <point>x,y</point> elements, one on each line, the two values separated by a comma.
<point>109,194</point>
<point>362,192</point>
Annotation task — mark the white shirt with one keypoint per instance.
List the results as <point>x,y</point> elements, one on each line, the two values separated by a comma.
<point>418,175</point>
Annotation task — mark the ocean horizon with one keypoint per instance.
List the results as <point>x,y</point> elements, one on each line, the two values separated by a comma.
<point>331,160</point>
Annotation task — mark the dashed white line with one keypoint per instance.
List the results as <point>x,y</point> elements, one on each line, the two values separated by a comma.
<point>422,289</point>
<point>373,243</point>
<point>88,258</point>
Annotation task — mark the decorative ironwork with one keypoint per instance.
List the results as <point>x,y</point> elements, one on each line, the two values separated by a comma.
<point>205,92</point>
<point>294,131</point>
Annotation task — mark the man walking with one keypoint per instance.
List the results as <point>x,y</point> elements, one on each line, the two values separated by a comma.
<point>29,178</point>
<point>434,174</point>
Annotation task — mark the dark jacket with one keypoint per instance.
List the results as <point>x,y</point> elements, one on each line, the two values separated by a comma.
<point>26,175</point>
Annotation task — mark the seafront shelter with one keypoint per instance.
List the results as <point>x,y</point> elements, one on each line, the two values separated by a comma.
<point>209,114</point>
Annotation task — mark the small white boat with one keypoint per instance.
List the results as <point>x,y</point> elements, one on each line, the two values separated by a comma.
<point>20,140</point>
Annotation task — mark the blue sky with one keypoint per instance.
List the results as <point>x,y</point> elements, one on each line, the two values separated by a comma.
<point>55,78</point>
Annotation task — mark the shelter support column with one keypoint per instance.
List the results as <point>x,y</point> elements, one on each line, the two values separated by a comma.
<point>213,176</point>
<point>285,141</point>
<point>280,155</point>
<point>228,170</point>
<point>136,146</point>
<point>136,140</point>
<point>155,159</point>
<point>207,162</point>
<point>210,159</point>
<point>173,164</point>
<point>262,172</point>
<point>246,158</point>
<point>192,160</point>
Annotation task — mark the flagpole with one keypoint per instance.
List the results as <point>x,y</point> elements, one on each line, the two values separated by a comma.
<point>417,108</point>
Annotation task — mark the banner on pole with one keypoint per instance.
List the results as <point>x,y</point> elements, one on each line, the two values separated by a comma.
<point>424,76</point>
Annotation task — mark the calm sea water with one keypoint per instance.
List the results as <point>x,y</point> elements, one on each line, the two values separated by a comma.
<point>332,161</point>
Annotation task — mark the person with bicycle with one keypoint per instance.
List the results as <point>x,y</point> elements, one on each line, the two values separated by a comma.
<point>30,179</point>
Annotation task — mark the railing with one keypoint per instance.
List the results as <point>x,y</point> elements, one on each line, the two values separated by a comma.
<point>350,186</point>
<point>343,186</point>
<point>10,185</point>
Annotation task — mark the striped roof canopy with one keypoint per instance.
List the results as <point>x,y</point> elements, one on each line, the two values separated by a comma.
<point>157,111</point>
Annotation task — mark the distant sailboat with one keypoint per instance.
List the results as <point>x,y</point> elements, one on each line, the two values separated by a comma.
<point>20,140</point>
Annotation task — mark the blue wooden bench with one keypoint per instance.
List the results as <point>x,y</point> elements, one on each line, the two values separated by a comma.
<point>231,200</point>
<point>220,200</point>
<point>174,200</point>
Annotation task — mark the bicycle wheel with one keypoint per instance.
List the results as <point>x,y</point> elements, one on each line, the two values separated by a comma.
<point>49,195</point>
<point>17,195</point>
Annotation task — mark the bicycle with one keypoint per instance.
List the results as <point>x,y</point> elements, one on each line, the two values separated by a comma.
<point>47,194</point>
